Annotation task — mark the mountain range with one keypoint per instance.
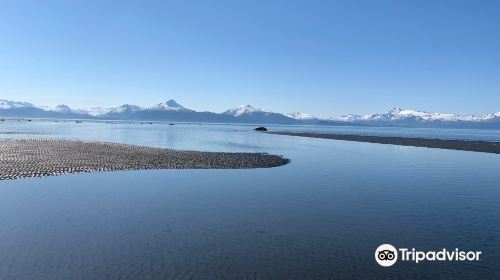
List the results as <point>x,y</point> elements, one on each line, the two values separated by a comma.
<point>173,111</point>
<point>412,118</point>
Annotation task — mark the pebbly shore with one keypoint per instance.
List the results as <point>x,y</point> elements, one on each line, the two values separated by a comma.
<point>21,158</point>
<point>463,145</point>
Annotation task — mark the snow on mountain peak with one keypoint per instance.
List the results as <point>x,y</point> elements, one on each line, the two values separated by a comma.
<point>396,115</point>
<point>94,111</point>
<point>7,104</point>
<point>492,116</point>
<point>396,111</point>
<point>243,110</point>
<point>402,114</point>
<point>346,118</point>
<point>300,116</point>
<point>170,105</point>
<point>125,108</point>
<point>100,111</point>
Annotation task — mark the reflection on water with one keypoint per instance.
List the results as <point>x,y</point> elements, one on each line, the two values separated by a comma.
<point>319,217</point>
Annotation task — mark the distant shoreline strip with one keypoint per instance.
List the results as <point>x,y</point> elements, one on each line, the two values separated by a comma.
<point>461,145</point>
<point>22,158</point>
<point>23,133</point>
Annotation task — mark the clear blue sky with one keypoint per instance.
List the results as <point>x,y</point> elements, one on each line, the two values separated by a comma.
<point>323,57</point>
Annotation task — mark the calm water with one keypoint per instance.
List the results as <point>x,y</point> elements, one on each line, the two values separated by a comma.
<point>320,217</point>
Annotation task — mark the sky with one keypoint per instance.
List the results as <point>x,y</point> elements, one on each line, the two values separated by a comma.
<point>323,57</point>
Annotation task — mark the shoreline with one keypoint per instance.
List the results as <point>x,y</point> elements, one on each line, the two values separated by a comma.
<point>24,158</point>
<point>460,145</point>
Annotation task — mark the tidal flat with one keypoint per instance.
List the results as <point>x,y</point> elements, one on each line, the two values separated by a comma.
<point>23,158</point>
<point>450,144</point>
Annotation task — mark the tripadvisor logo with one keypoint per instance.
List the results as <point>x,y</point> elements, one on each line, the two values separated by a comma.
<point>387,255</point>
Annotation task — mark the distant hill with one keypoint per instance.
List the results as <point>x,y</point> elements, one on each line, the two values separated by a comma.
<point>412,118</point>
<point>16,109</point>
<point>256,115</point>
<point>173,111</point>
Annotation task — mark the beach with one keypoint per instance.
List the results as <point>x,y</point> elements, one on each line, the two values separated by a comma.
<point>462,145</point>
<point>23,158</point>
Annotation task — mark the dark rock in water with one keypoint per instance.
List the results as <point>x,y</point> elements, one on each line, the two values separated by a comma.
<point>171,124</point>
<point>261,128</point>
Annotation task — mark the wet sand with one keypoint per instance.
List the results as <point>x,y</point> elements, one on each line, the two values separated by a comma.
<point>21,158</point>
<point>463,145</point>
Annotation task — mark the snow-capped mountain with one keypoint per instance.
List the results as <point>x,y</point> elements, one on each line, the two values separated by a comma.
<point>173,111</point>
<point>244,110</point>
<point>170,105</point>
<point>401,114</point>
<point>398,114</point>
<point>66,111</point>
<point>7,104</point>
<point>414,118</point>
<point>491,117</point>
<point>99,111</point>
<point>121,112</point>
<point>346,118</point>
<point>125,108</point>
<point>93,111</point>
<point>62,109</point>
<point>257,115</point>
<point>17,109</point>
<point>301,116</point>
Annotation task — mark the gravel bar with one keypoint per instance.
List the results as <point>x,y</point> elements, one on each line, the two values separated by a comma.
<point>462,145</point>
<point>22,132</point>
<point>21,158</point>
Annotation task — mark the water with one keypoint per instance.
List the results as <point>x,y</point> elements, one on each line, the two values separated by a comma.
<point>320,217</point>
